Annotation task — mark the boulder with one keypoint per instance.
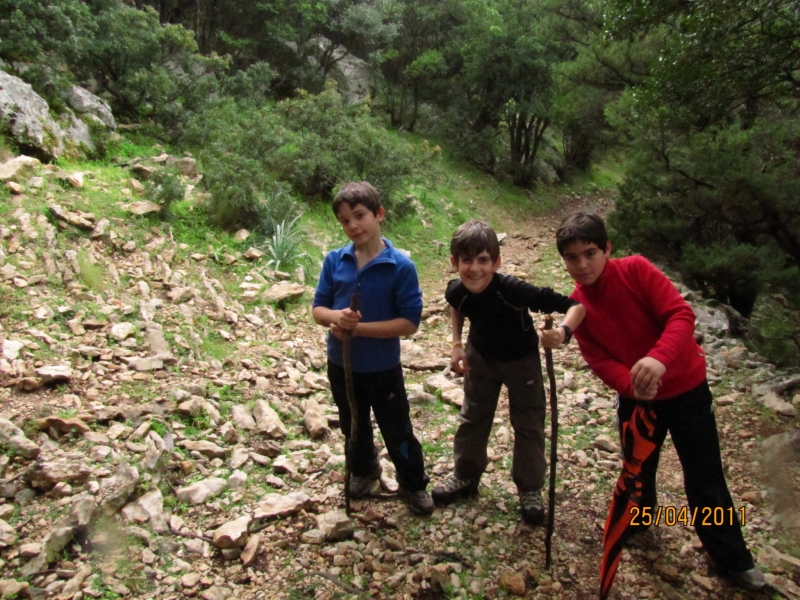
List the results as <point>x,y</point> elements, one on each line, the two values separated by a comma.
<point>84,102</point>
<point>18,168</point>
<point>33,128</point>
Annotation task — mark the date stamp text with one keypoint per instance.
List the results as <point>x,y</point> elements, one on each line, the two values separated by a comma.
<point>683,515</point>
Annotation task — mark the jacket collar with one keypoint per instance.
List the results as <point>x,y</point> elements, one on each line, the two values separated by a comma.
<point>386,255</point>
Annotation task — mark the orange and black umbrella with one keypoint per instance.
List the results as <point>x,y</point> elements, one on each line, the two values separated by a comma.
<point>637,437</point>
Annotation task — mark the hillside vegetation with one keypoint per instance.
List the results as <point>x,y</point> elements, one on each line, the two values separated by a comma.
<point>167,428</point>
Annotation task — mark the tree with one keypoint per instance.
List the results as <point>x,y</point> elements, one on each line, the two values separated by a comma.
<point>149,70</point>
<point>41,36</point>
<point>503,65</point>
<point>413,65</point>
<point>714,134</point>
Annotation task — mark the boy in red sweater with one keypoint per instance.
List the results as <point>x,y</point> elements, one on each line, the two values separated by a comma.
<point>638,338</point>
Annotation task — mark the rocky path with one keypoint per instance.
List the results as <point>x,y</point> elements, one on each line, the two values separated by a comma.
<point>170,435</point>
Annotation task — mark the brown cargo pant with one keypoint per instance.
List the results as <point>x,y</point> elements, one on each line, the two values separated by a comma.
<point>523,378</point>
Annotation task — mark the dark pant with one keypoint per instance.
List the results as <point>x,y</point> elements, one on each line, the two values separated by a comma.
<point>383,393</point>
<point>526,403</point>
<point>689,419</point>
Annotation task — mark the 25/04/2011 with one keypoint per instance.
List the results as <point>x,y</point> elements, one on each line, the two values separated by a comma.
<point>683,515</point>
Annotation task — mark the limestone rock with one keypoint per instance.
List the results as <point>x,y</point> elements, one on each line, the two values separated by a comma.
<point>778,404</point>
<point>54,373</point>
<point>62,425</point>
<point>187,166</point>
<point>336,525</point>
<point>148,508</point>
<point>604,442</point>
<point>278,505</point>
<point>232,534</point>
<point>314,420</point>
<point>251,549</point>
<point>204,447</point>
<point>418,358</point>
<point>18,168</point>
<point>29,117</point>
<point>242,417</point>
<point>267,420</point>
<point>115,491</point>
<point>200,491</point>
<point>283,291</point>
<point>13,438</point>
<point>143,207</point>
<point>84,102</point>
<point>45,474</point>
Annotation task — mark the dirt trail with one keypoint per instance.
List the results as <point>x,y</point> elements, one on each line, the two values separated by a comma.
<point>667,562</point>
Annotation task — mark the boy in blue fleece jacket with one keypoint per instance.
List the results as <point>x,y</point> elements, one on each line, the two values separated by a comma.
<point>391,305</point>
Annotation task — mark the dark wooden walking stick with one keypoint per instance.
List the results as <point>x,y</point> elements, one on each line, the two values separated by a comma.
<point>551,496</point>
<point>350,445</point>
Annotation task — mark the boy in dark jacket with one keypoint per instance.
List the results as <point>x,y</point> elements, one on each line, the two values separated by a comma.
<point>638,337</point>
<point>391,306</point>
<point>502,348</point>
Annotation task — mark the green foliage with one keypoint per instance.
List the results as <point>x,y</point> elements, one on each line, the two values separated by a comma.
<point>32,32</point>
<point>38,36</point>
<point>243,194</point>
<point>165,187</point>
<point>719,192</point>
<point>150,71</point>
<point>712,127</point>
<point>91,274</point>
<point>311,143</point>
<point>284,246</point>
<point>501,90</point>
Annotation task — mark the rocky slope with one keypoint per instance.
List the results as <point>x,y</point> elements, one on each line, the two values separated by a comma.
<point>167,432</point>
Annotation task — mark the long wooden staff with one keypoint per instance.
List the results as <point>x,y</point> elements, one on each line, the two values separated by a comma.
<point>350,445</point>
<point>551,504</point>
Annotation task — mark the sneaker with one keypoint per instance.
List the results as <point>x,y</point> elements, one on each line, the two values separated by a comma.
<point>752,579</point>
<point>453,488</point>
<point>363,485</point>
<point>419,502</point>
<point>530,504</point>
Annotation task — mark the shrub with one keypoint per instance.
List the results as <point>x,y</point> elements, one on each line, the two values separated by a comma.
<point>311,143</point>
<point>244,194</point>
<point>283,246</point>
<point>164,188</point>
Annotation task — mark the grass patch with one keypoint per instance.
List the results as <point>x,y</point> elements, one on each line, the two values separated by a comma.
<point>91,274</point>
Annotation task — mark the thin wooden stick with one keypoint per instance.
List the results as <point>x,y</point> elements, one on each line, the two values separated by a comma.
<point>551,497</point>
<point>350,446</point>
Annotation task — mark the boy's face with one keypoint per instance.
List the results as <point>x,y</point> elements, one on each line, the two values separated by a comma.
<point>359,224</point>
<point>475,273</point>
<point>585,262</point>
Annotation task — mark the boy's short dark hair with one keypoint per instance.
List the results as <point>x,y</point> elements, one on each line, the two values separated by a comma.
<point>472,238</point>
<point>581,227</point>
<point>358,192</point>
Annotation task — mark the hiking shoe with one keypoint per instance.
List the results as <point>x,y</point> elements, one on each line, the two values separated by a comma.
<point>530,504</point>
<point>453,488</point>
<point>419,502</point>
<point>363,485</point>
<point>752,579</point>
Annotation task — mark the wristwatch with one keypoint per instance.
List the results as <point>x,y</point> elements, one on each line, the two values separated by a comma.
<point>567,333</point>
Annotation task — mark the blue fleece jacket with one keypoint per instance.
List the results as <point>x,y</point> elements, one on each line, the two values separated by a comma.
<point>389,289</point>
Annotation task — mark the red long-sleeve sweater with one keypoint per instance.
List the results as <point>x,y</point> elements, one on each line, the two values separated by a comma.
<point>633,311</point>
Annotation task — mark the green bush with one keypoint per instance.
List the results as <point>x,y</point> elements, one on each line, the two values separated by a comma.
<point>311,144</point>
<point>244,194</point>
<point>721,203</point>
<point>164,188</point>
<point>151,72</point>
